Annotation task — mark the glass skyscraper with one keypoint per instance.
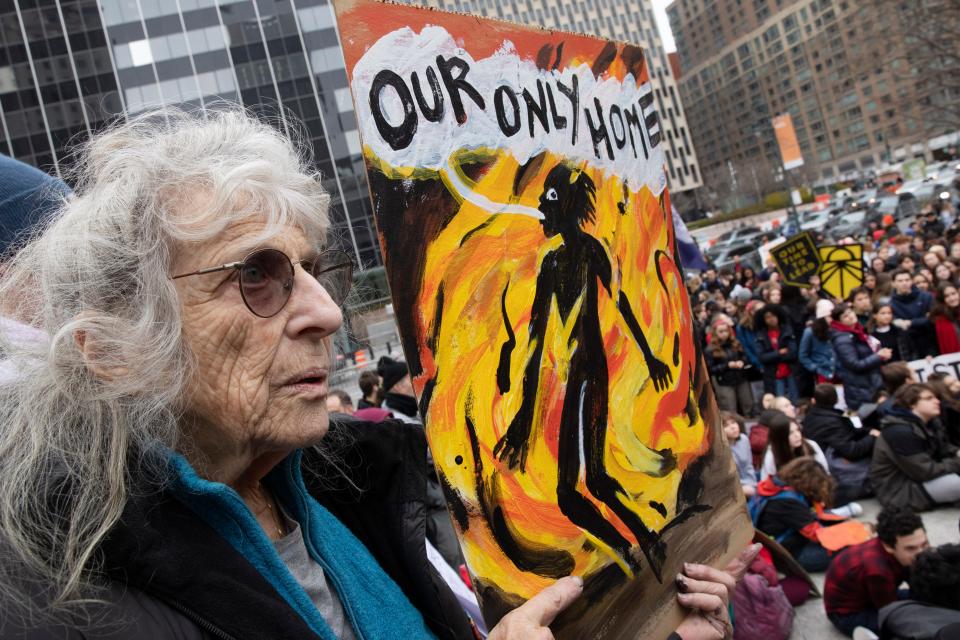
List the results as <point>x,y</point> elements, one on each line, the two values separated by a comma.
<point>69,66</point>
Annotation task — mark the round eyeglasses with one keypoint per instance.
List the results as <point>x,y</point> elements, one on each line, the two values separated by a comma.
<point>266,277</point>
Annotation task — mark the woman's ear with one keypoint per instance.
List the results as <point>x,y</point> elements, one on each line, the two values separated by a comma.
<point>96,359</point>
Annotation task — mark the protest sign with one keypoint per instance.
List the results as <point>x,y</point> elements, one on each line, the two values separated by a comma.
<point>841,269</point>
<point>797,259</point>
<point>518,188</point>
<point>949,363</point>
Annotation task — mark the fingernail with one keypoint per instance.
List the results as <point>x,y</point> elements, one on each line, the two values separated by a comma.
<point>577,580</point>
<point>681,584</point>
<point>687,567</point>
<point>683,597</point>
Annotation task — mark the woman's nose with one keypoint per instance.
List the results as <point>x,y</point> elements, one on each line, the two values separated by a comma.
<point>312,310</point>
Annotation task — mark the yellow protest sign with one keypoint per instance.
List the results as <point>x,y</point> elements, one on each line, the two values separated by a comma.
<point>841,269</point>
<point>797,259</point>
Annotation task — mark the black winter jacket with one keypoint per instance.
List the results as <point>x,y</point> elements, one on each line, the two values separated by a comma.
<point>857,366</point>
<point>907,454</point>
<point>829,428</point>
<point>769,356</point>
<point>719,366</point>
<point>172,576</point>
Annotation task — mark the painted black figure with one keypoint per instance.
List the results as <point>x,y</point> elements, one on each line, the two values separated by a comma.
<point>570,274</point>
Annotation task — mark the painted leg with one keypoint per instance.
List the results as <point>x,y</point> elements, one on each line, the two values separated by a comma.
<point>575,506</point>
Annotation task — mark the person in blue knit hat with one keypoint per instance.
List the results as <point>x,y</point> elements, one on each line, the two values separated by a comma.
<point>27,196</point>
<point>168,468</point>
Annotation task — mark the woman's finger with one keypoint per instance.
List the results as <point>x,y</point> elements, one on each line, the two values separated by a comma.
<point>685,584</point>
<point>709,574</point>
<point>739,565</point>
<point>705,602</point>
<point>544,607</point>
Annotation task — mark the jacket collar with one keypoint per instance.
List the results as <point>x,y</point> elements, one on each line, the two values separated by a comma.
<point>201,528</point>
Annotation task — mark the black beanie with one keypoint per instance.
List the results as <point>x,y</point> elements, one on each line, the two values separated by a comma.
<point>391,371</point>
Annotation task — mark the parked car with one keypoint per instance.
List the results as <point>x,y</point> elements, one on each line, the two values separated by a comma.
<point>816,222</point>
<point>865,199</point>
<point>735,236</point>
<point>852,224</point>
<point>746,251</point>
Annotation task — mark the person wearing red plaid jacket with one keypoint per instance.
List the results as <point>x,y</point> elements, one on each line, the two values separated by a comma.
<point>863,578</point>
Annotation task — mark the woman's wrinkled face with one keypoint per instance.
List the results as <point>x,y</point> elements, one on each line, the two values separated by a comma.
<point>795,439</point>
<point>260,384</point>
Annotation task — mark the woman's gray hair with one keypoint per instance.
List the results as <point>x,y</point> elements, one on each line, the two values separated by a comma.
<point>73,423</point>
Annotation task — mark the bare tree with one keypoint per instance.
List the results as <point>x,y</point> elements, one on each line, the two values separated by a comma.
<point>920,40</point>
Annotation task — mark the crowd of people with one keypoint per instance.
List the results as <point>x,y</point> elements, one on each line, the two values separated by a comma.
<point>822,407</point>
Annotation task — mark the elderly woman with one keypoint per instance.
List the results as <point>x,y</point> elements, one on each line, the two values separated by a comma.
<point>164,471</point>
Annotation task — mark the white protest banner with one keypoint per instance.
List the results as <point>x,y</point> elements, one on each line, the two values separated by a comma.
<point>949,363</point>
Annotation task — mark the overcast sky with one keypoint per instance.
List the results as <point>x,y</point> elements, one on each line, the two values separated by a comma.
<point>660,10</point>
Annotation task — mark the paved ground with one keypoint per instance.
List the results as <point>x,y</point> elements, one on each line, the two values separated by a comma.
<point>811,622</point>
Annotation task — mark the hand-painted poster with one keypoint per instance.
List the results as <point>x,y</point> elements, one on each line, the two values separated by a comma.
<point>517,180</point>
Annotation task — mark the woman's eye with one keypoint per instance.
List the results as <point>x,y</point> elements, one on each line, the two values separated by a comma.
<point>253,274</point>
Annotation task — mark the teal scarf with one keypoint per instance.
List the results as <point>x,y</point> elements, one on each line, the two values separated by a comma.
<point>375,605</point>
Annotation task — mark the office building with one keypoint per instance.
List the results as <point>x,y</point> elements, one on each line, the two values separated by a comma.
<point>831,64</point>
<point>623,20</point>
<point>70,66</point>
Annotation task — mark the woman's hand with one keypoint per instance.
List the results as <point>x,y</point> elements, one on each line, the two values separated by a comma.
<point>531,619</point>
<point>706,591</point>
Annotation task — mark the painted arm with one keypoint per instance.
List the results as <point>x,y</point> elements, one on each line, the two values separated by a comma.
<point>513,446</point>
<point>659,371</point>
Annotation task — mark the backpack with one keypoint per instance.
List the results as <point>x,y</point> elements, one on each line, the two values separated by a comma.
<point>758,503</point>
<point>759,436</point>
<point>761,612</point>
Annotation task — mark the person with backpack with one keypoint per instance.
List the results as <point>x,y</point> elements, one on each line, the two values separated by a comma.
<point>790,508</point>
<point>863,578</point>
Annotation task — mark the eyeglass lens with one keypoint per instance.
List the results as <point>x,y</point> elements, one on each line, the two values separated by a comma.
<point>334,270</point>
<point>266,279</point>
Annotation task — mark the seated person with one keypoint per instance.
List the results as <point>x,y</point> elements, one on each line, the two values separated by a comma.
<point>863,578</point>
<point>787,443</point>
<point>848,449</point>
<point>789,507</point>
<point>733,429</point>
<point>913,465</point>
<point>933,611</point>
